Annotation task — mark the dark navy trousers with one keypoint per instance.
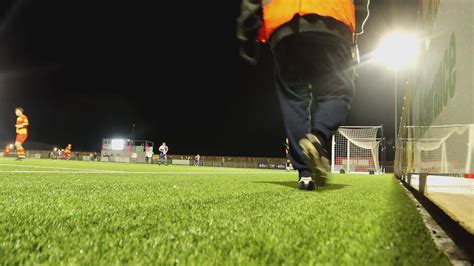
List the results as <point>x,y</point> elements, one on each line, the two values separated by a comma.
<point>314,82</point>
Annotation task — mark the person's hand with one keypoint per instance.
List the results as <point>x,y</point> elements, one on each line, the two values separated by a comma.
<point>250,60</point>
<point>249,52</point>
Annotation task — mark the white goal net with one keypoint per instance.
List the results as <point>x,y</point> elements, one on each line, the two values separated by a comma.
<point>357,149</point>
<point>444,149</point>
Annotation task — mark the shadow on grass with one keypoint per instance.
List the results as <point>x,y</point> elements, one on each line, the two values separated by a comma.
<point>294,184</point>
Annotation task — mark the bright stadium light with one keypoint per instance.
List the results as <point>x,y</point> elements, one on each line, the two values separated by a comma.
<point>118,144</point>
<point>398,50</point>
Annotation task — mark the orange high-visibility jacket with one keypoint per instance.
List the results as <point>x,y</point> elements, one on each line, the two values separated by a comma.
<point>279,12</point>
<point>68,149</point>
<point>22,119</point>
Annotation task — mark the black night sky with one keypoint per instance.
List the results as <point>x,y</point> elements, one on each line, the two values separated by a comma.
<point>84,70</point>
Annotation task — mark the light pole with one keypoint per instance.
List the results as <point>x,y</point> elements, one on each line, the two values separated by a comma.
<point>396,107</point>
<point>397,50</point>
<point>133,131</point>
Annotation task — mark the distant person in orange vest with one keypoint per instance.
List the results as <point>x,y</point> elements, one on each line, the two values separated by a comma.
<point>311,45</point>
<point>21,132</point>
<point>67,152</point>
<point>7,150</point>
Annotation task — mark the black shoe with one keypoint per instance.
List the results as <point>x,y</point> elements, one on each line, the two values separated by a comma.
<point>19,158</point>
<point>316,157</point>
<point>306,183</point>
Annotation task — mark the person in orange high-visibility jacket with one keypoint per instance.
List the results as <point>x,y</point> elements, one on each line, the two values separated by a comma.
<point>7,150</point>
<point>313,68</point>
<point>67,152</point>
<point>21,132</point>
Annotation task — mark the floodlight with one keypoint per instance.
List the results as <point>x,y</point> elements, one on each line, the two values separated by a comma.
<point>398,50</point>
<point>118,144</point>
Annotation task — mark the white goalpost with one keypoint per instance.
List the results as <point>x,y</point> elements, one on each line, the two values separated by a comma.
<point>443,149</point>
<point>356,149</point>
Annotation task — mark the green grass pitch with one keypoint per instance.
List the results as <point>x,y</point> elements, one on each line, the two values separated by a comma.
<point>59,212</point>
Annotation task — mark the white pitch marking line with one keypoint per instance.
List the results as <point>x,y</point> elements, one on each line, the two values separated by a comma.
<point>59,172</point>
<point>59,168</point>
<point>135,173</point>
<point>202,173</point>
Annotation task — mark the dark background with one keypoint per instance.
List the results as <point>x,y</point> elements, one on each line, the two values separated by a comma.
<point>84,70</point>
